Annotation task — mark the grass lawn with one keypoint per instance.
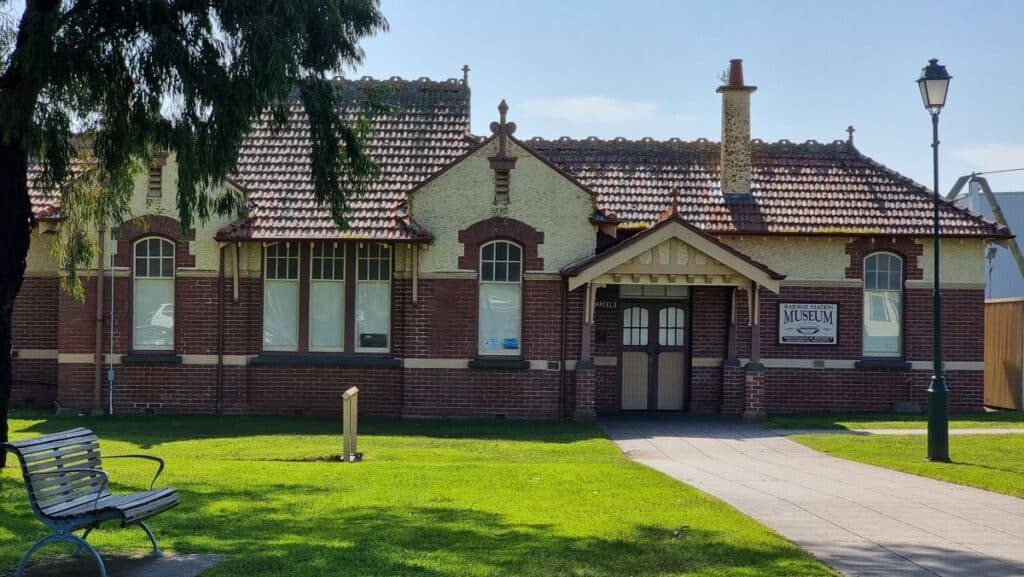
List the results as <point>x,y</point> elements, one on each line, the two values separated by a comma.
<point>432,499</point>
<point>993,462</point>
<point>995,420</point>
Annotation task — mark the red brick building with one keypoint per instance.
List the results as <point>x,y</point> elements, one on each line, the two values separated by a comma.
<point>494,276</point>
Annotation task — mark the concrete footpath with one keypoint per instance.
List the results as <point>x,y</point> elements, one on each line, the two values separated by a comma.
<point>860,519</point>
<point>979,431</point>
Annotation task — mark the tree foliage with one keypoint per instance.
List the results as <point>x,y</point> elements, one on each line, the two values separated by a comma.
<point>131,77</point>
<point>187,76</point>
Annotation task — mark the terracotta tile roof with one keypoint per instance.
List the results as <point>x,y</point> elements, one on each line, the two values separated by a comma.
<point>426,129</point>
<point>46,200</point>
<point>808,188</point>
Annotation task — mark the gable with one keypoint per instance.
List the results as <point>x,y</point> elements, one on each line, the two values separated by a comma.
<point>672,253</point>
<point>540,196</point>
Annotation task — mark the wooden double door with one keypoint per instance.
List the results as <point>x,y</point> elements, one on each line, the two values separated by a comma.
<point>655,351</point>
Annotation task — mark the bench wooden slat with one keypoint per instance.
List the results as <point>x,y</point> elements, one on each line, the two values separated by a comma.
<point>82,483</point>
<point>59,508</point>
<point>64,502</point>
<point>59,444</point>
<point>134,506</point>
<point>56,453</point>
<point>152,508</point>
<point>26,445</point>
<point>89,460</point>
<point>41,483</point>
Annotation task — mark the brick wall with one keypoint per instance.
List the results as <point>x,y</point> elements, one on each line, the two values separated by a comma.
<point>442,325</point>
<point>35,329</point>
<point>482,393</point>
<point>795,390</point>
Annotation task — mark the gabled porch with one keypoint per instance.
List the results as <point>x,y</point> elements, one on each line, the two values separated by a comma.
<point>651,336</point>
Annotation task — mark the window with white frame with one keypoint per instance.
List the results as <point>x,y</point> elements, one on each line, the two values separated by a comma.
<point>327,297</point>
<point>883,305</point>
<point>153,295</point>
<point>373,297</point>
<point>281,297</point>
<point>501,299</point>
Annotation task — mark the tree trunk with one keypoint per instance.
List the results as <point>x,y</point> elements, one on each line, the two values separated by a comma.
<point>15,234</point>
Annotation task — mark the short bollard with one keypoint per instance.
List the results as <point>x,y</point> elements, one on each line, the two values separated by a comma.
<point>349,422</point>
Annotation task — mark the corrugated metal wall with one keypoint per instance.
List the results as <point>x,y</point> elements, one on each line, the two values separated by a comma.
<point>1005,279</point>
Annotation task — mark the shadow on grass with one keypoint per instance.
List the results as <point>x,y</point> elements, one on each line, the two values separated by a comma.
<point>846,421</point>
<point>150,430</point>
<point>274,537</point>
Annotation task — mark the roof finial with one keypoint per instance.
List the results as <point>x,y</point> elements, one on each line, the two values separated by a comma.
<point>503,129</point>
<point>850,130</point>
<point>674,207</point>
<point>465,74</point>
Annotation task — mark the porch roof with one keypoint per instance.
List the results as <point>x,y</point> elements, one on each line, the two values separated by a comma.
<point>721,260</point>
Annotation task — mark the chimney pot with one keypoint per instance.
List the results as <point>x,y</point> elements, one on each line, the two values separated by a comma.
<point>736,72</point>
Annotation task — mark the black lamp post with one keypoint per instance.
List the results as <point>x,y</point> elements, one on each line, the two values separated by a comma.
<point>934,82</point>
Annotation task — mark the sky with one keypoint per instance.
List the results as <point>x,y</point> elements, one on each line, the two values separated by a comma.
<point>650,68</point>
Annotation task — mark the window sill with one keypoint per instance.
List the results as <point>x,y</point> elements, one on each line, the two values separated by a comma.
<point>514,363</point>
<point>325,360</point>
<point>151,358</point>
<point>894,364</point>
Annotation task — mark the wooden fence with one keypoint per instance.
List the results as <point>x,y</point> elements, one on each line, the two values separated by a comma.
<point>1004,353</point>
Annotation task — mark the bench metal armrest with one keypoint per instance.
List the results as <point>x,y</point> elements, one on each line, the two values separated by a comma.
<point>101,472</point>
<point>146,457</point>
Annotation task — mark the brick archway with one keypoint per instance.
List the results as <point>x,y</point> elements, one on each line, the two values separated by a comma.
<point>154,225</point>
<point>473,237</point>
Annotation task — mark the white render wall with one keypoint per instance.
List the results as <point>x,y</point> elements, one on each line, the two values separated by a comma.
<point>539,196</point>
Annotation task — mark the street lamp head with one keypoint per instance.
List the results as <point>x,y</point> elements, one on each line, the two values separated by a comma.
<point>934,82</point>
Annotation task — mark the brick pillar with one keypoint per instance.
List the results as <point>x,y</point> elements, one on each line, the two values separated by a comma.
<point>733,387</point>
<point>586,375</point>
<point>753,399</point>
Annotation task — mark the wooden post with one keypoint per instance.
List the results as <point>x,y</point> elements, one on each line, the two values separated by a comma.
<point>350,418</point>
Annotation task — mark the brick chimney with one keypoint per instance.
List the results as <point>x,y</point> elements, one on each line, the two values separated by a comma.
<point>736,166</point>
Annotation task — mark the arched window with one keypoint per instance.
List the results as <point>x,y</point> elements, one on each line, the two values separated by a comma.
<point>501,298</point>
<point>153,294</point>
<point>883,305</point>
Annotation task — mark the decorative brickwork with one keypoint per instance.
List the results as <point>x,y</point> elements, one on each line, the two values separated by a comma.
<point>154,225</point>
<point>861,247</point>
<point>475,236</point>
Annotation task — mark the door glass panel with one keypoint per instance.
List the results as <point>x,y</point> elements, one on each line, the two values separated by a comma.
<point>634,327</point>
<point>671,327</point>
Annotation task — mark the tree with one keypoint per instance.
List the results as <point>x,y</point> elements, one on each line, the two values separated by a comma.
<point>183,76</point>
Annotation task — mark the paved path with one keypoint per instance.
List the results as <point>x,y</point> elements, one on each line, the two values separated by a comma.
<point>862,520</point>
<point>139,565</point>
<point>1005,431</point>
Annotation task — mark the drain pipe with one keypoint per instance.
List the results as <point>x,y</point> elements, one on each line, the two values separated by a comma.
<point>110,357</point>
<point>220,330</point>
<point>97,394</point>
<point>562,374</point>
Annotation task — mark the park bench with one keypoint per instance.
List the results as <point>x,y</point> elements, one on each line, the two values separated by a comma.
<point>69,491</point>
